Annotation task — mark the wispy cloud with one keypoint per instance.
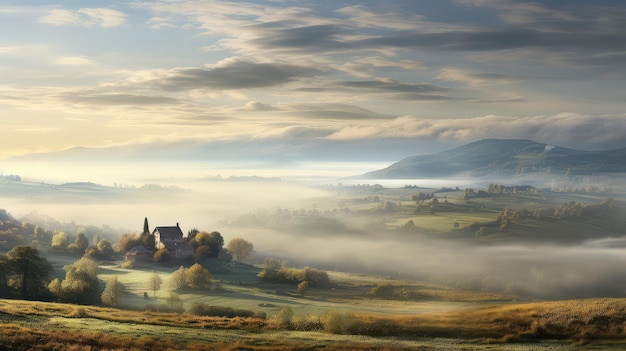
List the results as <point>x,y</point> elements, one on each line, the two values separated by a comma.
<point>74,60</point>
<point>231,74</point>
<point>476,79</point>
<point>568,129</point>
<point>85,17</point>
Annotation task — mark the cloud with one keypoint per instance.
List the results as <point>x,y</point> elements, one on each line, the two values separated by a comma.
<point>232,74</point>
<point>564,129</point>
<point>334,111</point>
<point>364,17</point>
<point>392,89</point>
<point>278,36</point>
<point>258,106</point>
<point>161,22</point>
<point>295,132</point>
<point>85,17</point>
<point>74,60</point>
<point>368,66</point>
<point>116,99</point>
<point>499,40</point>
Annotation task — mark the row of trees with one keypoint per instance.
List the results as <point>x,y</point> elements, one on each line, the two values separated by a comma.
<point>276,271</point>
<point>25,273</point>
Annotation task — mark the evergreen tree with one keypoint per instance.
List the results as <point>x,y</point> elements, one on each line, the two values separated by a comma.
<point>146,227</point>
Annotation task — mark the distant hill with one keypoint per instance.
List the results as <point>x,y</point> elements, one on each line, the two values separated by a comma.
<point>505,157</point>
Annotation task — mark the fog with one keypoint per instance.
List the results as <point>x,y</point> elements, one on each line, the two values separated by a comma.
<point>212,198</point>
<point>543,271</point>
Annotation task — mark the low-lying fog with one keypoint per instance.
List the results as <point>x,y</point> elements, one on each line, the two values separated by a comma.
<point>201,197</point>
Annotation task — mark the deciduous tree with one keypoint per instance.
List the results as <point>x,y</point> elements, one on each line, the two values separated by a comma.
<point>154,283</point>
<point>59,241</point>
<point>198,277</point>
<point>113,291</point>
<point>240,248</point>
<point>80,284</point>
<point>31,270</point>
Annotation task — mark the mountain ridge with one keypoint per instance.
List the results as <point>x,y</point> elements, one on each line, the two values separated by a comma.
<point>503,157</point>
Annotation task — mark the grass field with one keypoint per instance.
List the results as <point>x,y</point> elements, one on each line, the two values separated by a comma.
<point>589,324</point>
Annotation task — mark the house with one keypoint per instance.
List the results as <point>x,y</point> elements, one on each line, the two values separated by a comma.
<point>139,254</point>
<point>171,239</point>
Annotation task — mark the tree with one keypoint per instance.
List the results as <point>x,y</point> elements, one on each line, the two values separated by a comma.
<point>303,287</point>
<point>105,247</point>
<point>240,248</point>
<point>128,241</point>
<point>202,252</point>
<point>39,232</point>
<point>113,291</point>
<point>146,227</point>
<point>162,255</point>
<point>213,240</point>
<point>80,284</point>
<point>194,277</point>
<point>148,241</point>
<point>56,288</point>
<point>191,233</point>
<point>198,277</point>
<point>154,282</point>
<point>31,270</point>
<point>270,270</point>
<point>5,270</point>
<point>174,302</point>
<point>59,241</point>
<point>80,244</point>
<point>177,279</point>
<point>225,255</point>
<point>284,317</point>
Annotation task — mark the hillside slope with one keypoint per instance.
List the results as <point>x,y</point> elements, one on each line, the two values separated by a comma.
<point>505,157</point>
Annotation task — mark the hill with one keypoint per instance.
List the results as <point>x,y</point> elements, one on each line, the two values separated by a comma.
<point>499,157</point>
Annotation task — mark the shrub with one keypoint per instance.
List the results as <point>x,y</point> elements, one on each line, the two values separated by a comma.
<point>303,287</point>
<point>276,271</point>
<point>194,277</point>
<point>202,309</point>
<point>284,318</point>
<point>113,291</point>
<point>383,290</point>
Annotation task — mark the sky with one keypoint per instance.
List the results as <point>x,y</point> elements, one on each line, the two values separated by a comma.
<point>404,76</point>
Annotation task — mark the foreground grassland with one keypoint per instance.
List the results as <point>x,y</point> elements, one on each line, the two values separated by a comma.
<point>536,326</point>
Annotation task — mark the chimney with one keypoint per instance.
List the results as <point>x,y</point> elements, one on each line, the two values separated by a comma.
<point>177,225</point>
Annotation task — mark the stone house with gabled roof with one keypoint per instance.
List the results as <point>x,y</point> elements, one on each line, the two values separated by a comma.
<point>139,254</point>
<point>171,239</point>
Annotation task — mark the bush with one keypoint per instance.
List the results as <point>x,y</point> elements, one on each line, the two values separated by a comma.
<point>113,291</point>
<point>202,309</point>
<point>161,256</point>
<point>194,277</point>
<point>275,271</point>
<point>284,318</point>
<point>342,323</point>
<point>303,287</point>
<point>383,290</point>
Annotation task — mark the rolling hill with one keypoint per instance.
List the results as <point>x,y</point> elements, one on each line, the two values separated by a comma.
<point>502,157</point>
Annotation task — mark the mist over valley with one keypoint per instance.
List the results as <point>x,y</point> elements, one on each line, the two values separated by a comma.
<point>328,216</point>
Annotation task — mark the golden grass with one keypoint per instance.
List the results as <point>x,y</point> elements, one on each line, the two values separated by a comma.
<point>577,321</point>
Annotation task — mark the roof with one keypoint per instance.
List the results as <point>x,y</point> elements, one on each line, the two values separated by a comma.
<point>139,250</point>
<point>169,232</point>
